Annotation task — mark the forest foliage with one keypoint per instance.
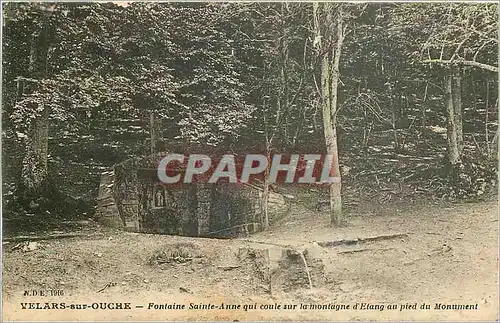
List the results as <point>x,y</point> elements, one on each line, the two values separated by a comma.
<point>110,81</point>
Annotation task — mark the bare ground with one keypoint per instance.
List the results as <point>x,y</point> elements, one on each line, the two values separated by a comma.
<point>427,254</point>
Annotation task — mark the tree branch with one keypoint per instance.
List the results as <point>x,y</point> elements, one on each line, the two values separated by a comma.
<point>483,66</point>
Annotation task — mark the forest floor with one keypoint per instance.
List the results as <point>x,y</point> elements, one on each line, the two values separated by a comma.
<point>404,255</point>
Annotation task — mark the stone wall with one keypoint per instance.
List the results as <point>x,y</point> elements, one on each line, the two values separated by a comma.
<point>131,197</point>
<point>234,210</point>
<point>165,209</point>
<point>125,192</point>
<point>107,210</point>
<point>204,200</point>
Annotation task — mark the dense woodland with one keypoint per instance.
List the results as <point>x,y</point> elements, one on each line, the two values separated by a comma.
<point>405,94</point>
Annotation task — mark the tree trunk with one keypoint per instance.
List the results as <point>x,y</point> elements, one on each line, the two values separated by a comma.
<point>486,118</point>
<point>265,202</point>
<point>422,110</point>
<point>284,79</point>
<point>452,135</point>
<point>152,132</point>
<point>35,163</point>
<point>457,105</point>
<point>264,198</point>
<point>393,118</point>
<point>330,61</point>
<point>335,188</point>
<point>494,146</point>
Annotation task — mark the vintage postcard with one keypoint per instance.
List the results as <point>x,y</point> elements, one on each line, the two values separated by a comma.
<point>250,161</point>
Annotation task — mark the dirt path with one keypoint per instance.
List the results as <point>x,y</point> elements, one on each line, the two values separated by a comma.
<point>448,255</point>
